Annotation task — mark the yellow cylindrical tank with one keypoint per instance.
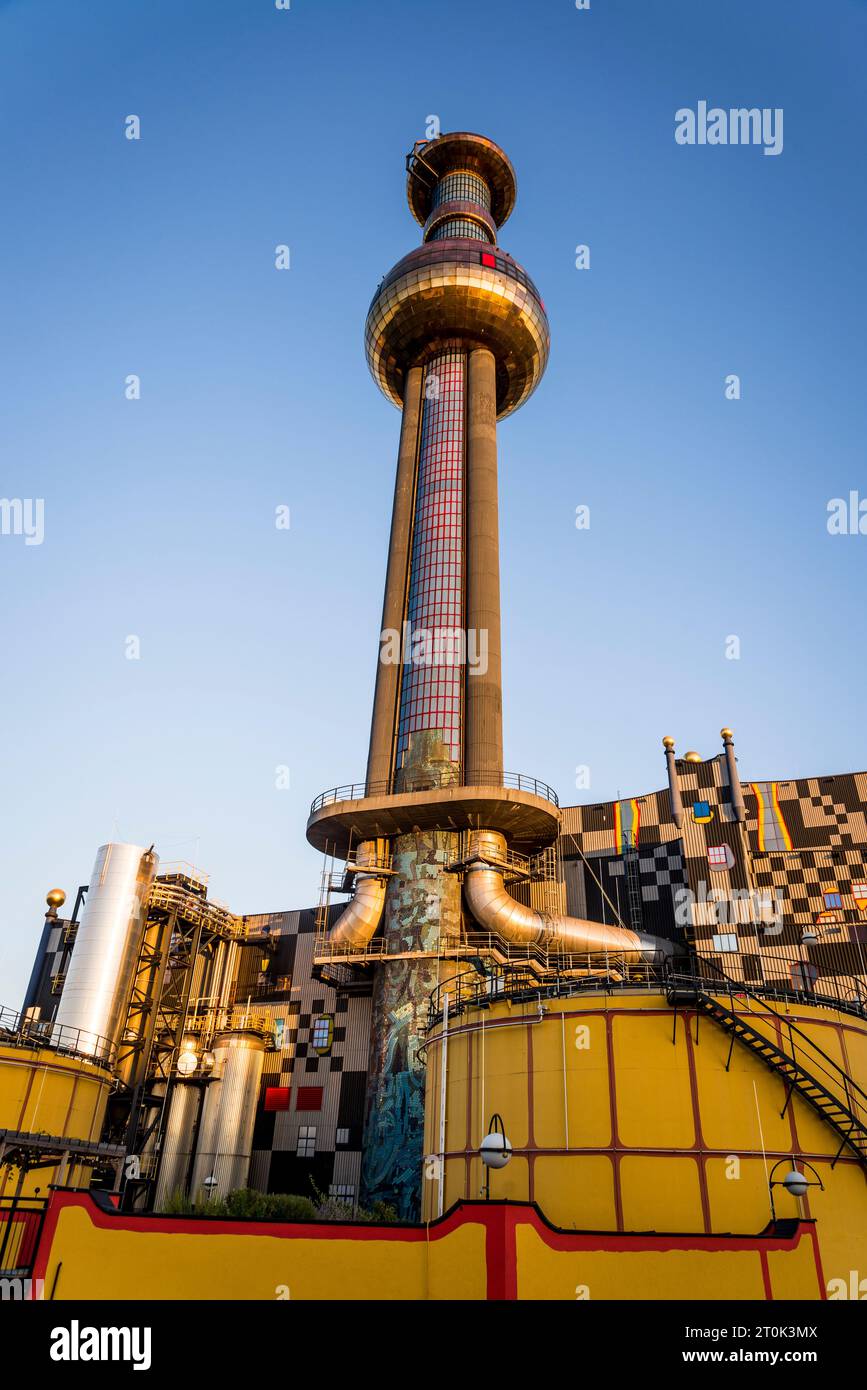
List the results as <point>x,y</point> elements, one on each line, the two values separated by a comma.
<point>625,1116</point>
<point>44,1092</point>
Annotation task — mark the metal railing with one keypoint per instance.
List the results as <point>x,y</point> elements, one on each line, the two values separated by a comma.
<point>175,897</point>
<point>522,983</point>
<point>232,1016</point>
<point>21,1220</point>
<point>409,781</point>
<point>803,1051</point>
<point>16,1030</point>
<point>779,976</point>
<point>559,977</point>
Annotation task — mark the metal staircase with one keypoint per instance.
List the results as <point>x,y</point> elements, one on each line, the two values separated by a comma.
<point>805,1068</point>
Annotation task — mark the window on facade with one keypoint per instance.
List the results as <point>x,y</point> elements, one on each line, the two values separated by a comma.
<point>753,970</point>
<point>464,186</point>
<point>309,1098</point>
<point>342,1136</point>
<point>306,1141</point>
<point>803,975</point>
<point>725,941</point>
<point>833,900</point>
<point>342,1189</point>
<point>322,1034</point>
<point>277,1097</point>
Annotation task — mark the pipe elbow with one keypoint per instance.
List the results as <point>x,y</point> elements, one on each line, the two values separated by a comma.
<point>360,918</point>
<point>496,911</point>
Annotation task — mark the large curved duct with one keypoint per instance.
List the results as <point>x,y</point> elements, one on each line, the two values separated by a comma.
<point>497,911</point>
<point>361,917</point>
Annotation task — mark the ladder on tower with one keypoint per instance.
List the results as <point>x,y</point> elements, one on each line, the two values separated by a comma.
<point>633,886</point>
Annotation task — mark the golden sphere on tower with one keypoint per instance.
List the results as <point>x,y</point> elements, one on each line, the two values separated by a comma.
<point>668,741</point>
<point>56,898</point>
<point>692,757</point>
<point>726,733</point>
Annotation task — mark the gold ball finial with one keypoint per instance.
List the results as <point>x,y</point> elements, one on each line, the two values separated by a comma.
<point>726,733</point>
<point>668,741</point>
<point>692,757</point>
<point>56,898</point>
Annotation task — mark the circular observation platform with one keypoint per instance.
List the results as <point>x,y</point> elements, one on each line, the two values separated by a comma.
<point>522,808</point>
<point>458,291</point>
<point>458,150</point>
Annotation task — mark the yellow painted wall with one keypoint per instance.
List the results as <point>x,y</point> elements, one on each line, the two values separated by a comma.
<point>652,1275</point>
<point>93,1255</point>
<point>123,1263</point>
<point>661,1136</point>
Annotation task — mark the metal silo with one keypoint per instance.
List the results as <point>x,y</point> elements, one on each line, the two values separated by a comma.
<point>98,984</point>
<point>229,1114</point>
<point>178,1141</point>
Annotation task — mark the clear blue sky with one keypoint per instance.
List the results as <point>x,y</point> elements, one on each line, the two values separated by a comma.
<point>258,646</point>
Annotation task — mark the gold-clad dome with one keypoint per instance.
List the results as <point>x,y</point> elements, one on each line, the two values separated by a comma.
<point>56,898</point>
<point>692,757</point>
<point>668,741</point>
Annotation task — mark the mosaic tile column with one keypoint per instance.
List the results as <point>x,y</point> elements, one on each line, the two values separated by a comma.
<point>422,913</point>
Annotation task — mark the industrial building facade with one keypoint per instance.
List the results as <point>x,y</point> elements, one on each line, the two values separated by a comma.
<point>599,1005</point>
<point>745,894</point>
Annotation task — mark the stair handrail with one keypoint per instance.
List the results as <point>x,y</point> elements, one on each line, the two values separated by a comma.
<point>837,1071</point>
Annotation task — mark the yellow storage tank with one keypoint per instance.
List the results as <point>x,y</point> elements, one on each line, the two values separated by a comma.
<point>626,1114</point>
<point>47,1093</point>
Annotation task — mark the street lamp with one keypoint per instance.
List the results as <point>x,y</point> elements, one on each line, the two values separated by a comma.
<point>495,1151</point>
<point>795,1182</point>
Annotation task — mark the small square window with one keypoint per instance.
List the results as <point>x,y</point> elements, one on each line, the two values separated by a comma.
<point>725,941</point>
<point>833,900</point>
<point>276,1098</point>
<point>322,1034</point>
<point>306,1141</point>
<point>342,1136</point>
<point>309,1098</point>
<point>803,975</point>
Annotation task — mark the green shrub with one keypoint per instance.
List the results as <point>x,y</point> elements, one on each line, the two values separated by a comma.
<point>383,1212</point>
<point>178,1204</point>
<point>334,1209</point>
<point>246,1204</point>
<point>287,1206</point>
